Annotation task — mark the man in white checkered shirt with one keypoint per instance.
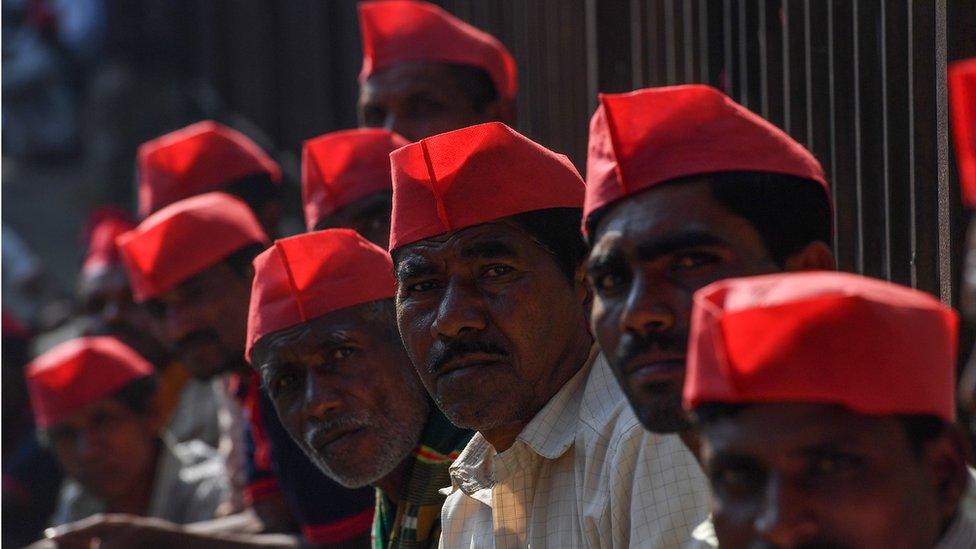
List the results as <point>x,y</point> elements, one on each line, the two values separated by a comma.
<point>491,305</point>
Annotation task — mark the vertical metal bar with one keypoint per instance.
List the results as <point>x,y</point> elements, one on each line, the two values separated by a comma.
<point>910,53</point>
<point>743,55</point>
<point>763,61</point>
<point>808,68</point>
<point>687,20</point>
<point>787,14</point>
<point>885,142</point>
<point>636,45</point>
<point>942,148</point>
<point>703,50</point>
<point>833,108</point>
<point>859,182</point>
<point>727,36</point>
<point>669,41</point>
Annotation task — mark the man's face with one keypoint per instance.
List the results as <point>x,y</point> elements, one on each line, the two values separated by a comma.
<point>204,320</point>
<point>106,447</point>
<point>650,253</point>
<point>416,100</point>
<point>107,308</point>
<point>491,323</point>
<point>345,390</point>
<point>808,475</point>
<point>368,216</point>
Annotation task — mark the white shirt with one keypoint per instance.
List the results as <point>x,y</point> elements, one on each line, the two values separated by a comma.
<point>190,484</point>
<point>583,473</point>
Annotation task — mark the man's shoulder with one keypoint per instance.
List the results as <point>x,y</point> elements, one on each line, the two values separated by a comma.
<point>605,415</point>
<point>198,462</point>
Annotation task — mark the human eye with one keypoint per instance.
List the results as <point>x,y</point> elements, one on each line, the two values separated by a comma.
<point>738,480</point>
<point>495,271</point>
<point>421,286</point>
<point>607,280</point>
<point>341,353</point>
<point>693,259</point>
<point>282,383</point>
<point>831,465</point>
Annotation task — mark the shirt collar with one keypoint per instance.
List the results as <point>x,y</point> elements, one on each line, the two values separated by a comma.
<point>549,434</point>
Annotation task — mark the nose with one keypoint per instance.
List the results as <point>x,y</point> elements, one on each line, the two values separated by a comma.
<point>785,518</point>
<point>87,444</point>
<point>321,397</point>
<point>645,312</point>
<point>461,310</point>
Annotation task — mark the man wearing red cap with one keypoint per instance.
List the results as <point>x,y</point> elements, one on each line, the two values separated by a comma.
<point>322,333</point>
<point>107,308</point>
<point>491,305</point>
<point>826,407</point>
<point>346,181</point>
<point>190,264</point>
<point>94,402</point>
<point>685,187</point>
<point>208,156</point>
<point>426,72</point>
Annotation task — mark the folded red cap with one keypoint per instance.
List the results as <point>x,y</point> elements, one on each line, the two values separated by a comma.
<point>475,175</point>
<point>646,137</point>
<point>80,372</point>
<point>198,158</point>
<point>184,239</point>
<point>822,337</point>
<point>962,108</point>
<point>104,226</point>
<point>394,31</point>
<point>306,276</point>
<point>341,167</point>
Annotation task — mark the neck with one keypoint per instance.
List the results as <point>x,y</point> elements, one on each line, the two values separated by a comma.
<point>394,485</point>
<point>135,501</point>
<point>503,436</point>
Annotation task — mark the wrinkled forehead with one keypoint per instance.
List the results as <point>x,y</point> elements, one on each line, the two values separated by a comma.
<point>499,238</point>
<point>346,325</point>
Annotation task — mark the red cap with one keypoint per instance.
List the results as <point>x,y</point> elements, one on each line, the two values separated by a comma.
<point>646,137</point>
<point>962,108</point>
<point>104,226</point>
<point>475,175</point>
<point>184,239</point>
<point>198,158</point>
<point>78,373</point>
<point>306,276</point>
<point>341,167</point>
<point>405,30</point>
<point>822,337</point>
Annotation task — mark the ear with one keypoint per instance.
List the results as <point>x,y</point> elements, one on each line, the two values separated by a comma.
<point>583,290</point>
<point>815,256</point>
<point>944,458</point>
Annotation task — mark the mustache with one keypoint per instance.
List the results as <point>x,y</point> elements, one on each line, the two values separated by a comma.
<point>196,337</point>
<point>319,426</point>
<point>672,342</point>
<point>440,356</point>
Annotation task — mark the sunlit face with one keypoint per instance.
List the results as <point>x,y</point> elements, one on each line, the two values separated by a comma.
<point>368,216</point>
<point>106,447</point>
<point>809,475</point>
<point>416,99</point>
<point>204,320</point>
<point>490,321</point>
<point>345,390</point>
<point>107,308</point>
<point>651,252</point>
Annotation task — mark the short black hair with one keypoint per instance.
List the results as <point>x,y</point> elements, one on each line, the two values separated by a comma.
<point>557,230</point>
<point>787,211</point>
<point>138,395</point>
<point>475,84</point>
<point>256,190</point>
<point>240,260</point>
<point>920,429</point>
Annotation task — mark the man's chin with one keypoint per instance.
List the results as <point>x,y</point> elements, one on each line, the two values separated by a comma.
<point>667,417</point>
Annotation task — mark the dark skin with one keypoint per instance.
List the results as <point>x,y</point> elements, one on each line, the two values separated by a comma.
<point>492,324</point>
<point>417,99</point>
<point>106,308</point>
<point>794,475</point>
<point>344,388</point>
<point>967,381</point>
<point>368,216</point>
<point>651,252</point>
<point>203,320</point>
<point>111,450</point>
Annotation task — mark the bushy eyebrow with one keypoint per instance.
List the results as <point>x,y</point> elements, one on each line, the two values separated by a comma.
<point>412,267</point>
<point>654,248</point>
